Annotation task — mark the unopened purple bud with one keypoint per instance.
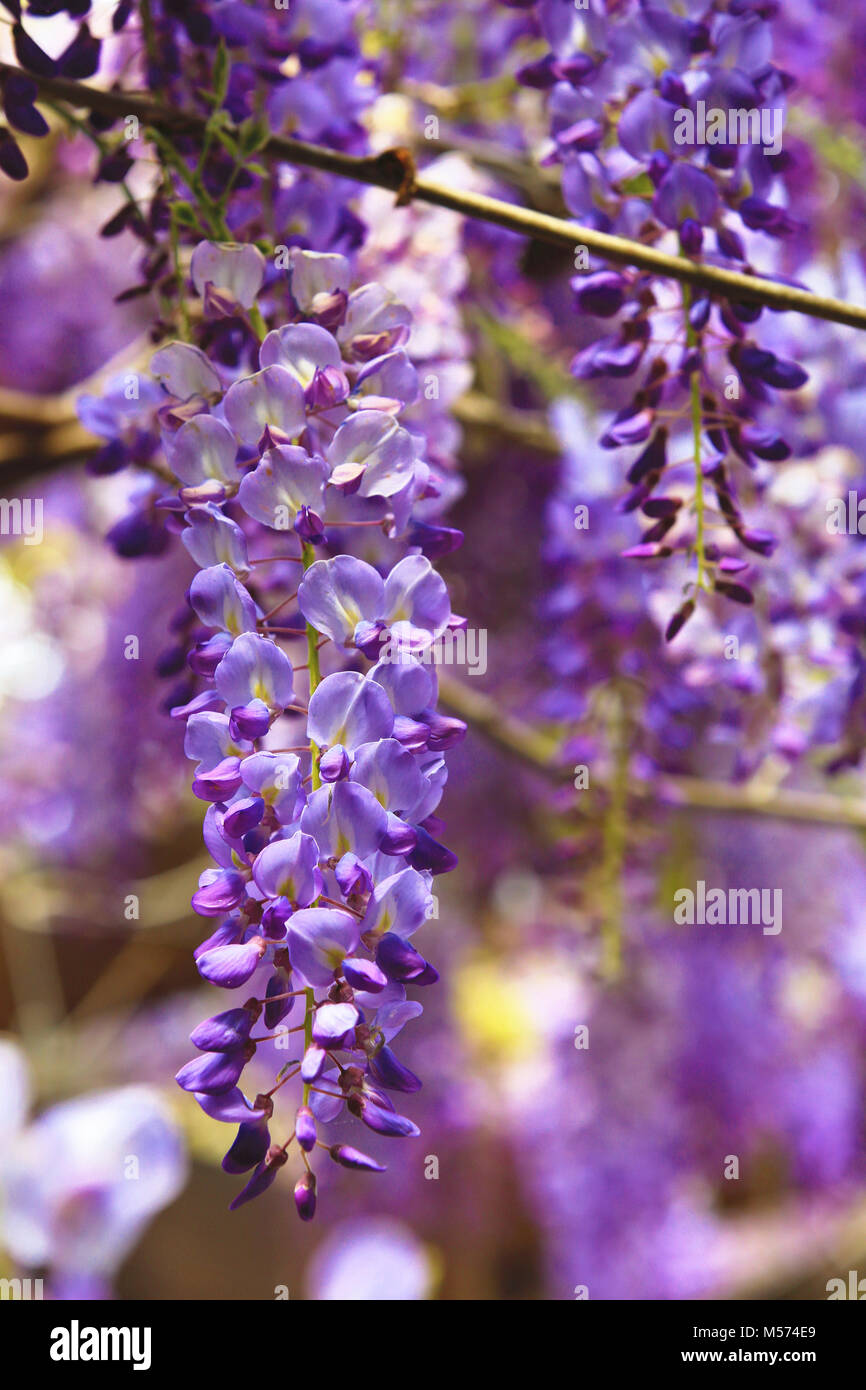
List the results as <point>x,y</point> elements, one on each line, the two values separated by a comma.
<point>348,1157</point>
<point>226,890</point>
<point>250,1146</point>
<point>429,854</point>
<point>224,1031</point>
<point>389,1071</point>
<point>334,764</point>
<point>305,1196</point>
<point>539,74</point>
<point>601,294</point>
<point>387,1122</point>
<point>738,593</point>
<point>262,1178</point>
<point>652,460</point>
<point>764,542</point>
<point>446,731</point>
<point>30,55</point>
<point>243,816</point>
<point>274,919</point>
<point>232,1108</point>
<point>662,506</point>
<point>206,656</point>
<point>699,313</point>
<point>658,166</point>
<point>114,167</point>
<point>328,388</point>
<point>137,534</point>
<point>575,69</point>
<point>213,1072</point>
<point>644,552</point>
<point>81,59</point>
<point>691,236</point>
<point>672,88</point>
<point>250,721</point>
<point>313,1063</point>
<point>353,876</point>
<point>786,376</point>
<point>765,443</point>
<point>231,966</point>
<point>364,974</point>
<point>305,1128</point>
<point>397,959</point>
<point>309,526</point>
<point>434,541</point>
<point>730,244</point>
<point>584,137</point>
<point>218,783</point>
<point>633,428</point>
<point>679,619</point>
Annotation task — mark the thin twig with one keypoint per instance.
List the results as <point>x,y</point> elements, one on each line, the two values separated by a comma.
<point>543,753</point>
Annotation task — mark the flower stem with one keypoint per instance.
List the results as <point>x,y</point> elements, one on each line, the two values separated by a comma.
<point>700,519</point>
<point>614,838</point>
<point>308,1034</point>
<point>309,556</point>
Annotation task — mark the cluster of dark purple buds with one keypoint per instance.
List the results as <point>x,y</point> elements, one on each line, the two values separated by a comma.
<point>624,171</point>
<point>78,61</point>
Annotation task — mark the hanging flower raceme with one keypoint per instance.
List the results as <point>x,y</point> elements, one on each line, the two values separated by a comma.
<point>312,716</point>
<point>669,129</point>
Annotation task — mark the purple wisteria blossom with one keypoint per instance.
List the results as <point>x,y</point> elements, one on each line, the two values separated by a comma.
<point>320,787</point>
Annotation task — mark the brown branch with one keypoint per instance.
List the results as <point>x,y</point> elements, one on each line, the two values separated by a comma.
<point>543,754</point>
<point>389,170</point>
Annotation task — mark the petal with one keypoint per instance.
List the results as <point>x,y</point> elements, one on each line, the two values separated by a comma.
<point>221,601</point>
<point>184,371</point>
<point>319,938</point>
<point>240,269</point>
<point>345,708</point>
<point>231,966</point>
<point>287,869</point>
<point>335,595</point>
<point>271,397</point>
<point>286,479</point>
<point>344,818</point>
<point>203,448</point>
<point>373,444</point>
<point>255,668</point>
<point>302,348</point>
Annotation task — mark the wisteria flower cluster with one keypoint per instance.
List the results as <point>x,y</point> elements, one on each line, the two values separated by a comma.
<point>321,803</point>
<point>628,96</point>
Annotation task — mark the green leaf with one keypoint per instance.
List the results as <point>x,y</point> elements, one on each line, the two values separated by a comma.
<point>253,134</point>
<point>221,69</point>
<point>184,214</point>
